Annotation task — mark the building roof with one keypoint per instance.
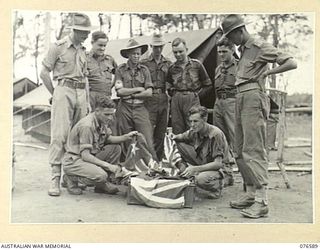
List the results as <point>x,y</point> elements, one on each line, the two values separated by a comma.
<point>39,97</point>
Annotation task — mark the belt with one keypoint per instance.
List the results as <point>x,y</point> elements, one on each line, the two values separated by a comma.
<point>185,92</point>
<point>133,101</point>
<point>247,86</point>
<point>225,95</point>
<point>158,91</point>
<point>72,84</point>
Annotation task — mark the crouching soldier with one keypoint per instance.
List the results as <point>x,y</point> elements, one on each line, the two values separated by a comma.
<point>205,153</point>
<point>92,152</point>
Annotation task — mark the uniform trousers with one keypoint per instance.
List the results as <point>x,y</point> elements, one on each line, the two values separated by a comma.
<point>157,106</point>
<point>132,117</point>
<point>180,105</point>
<point>252,109</point>
<point>207,180</point>
<point>69,105</point>
<point>74,165</point>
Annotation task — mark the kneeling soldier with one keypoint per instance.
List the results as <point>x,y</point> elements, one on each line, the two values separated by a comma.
<point>204,151</point>
<point>92,152</point>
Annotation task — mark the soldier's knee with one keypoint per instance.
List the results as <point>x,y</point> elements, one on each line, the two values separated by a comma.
<point>101,177</point>
<point>201,179</point>
<point>117,149</point>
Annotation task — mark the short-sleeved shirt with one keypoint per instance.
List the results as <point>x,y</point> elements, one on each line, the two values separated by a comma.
<point>193,76</point>
<point>209,144</point>
<point>87,134</point>
<point>100,71</point>
<point>255,56</point>
<point>158,71</point>
<point>131,77</point>
<point>225,77</point>
<point>66,60</point>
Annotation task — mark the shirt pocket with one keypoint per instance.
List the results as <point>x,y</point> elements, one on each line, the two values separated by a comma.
<point>93,69</point>
<point>194,75</point>
<point>140,80</point>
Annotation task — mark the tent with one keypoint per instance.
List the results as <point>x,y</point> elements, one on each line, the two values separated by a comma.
<point>201,45</point>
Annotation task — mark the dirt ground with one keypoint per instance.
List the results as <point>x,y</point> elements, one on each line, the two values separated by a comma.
<point>31,204</point>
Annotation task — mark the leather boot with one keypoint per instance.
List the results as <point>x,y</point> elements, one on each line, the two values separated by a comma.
<point>245,200</point>
<point>64,183</point>
<point>54,189</point>
<point>106,188</point>
<point>257,210</point>
<point>72,185</point>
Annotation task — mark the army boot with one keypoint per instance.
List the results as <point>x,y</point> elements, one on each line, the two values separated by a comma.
<point>72,185</point>
<point>54,189</point>
<point>106,188</point>
<point>245,200</point>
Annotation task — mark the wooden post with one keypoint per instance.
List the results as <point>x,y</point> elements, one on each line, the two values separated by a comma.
<point>281,137</point>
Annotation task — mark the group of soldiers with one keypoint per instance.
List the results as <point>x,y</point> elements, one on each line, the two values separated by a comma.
<point>90,134</point>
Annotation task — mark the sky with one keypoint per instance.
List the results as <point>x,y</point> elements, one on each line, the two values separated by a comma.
<point>300,80</point>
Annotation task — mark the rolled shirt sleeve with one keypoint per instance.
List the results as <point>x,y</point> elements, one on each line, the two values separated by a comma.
<point>268,53</point>
<point>85,138</point>
<point>51,57</point>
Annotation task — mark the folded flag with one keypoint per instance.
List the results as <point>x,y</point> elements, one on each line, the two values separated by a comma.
<point>159,193</point>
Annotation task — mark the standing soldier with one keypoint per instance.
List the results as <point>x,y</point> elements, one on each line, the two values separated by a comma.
<point>188,81</point>
<point>157,105</point>
<point>66,58</point>
<point>224,107</point>
<point>252,107</point>
<point>101,67</point>
<point>133,85</point>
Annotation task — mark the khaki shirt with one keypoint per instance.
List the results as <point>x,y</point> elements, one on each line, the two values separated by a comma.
<point>66,60</point>
<point>209,144</point>
<point>128,77</point>
<point>87,134</point>
<point>255,56</point>
<point>100,71</point>
<point>158,71</point>
<point>191,77</point>
<point>225,77</point>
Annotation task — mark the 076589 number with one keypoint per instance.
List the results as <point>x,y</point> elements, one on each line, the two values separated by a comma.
<point>309,246</point>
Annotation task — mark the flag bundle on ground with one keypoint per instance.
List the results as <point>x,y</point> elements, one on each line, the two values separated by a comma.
<point>158,184</point>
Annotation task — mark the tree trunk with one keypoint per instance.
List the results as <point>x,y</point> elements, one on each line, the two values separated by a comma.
<point>130,19</point>
<point>14,42</point>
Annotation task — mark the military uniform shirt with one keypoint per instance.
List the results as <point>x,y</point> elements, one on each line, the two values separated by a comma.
<point>209,144</point>
<point>100,70</point>
<point>66,60</point>
<point>255,56</point>
<point>159,71</point>
<point>130,77</point>
<point>87,134</point>
<point>225,77</point>
<point>192,77</point>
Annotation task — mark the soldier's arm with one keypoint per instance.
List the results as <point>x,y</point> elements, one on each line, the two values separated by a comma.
<point>46,78</point>
<point>148,86</point>
<point>144,94</point>
<point>205,81</point>
<point>289,64</point>
<point>88,157</point>
<point>122,138</point>
<point>121,92</point>
<point>211,166</point>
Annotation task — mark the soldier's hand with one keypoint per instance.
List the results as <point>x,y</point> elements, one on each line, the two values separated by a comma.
<point>131,134</point>
<point>172,136</point>
<point>189,172</point>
